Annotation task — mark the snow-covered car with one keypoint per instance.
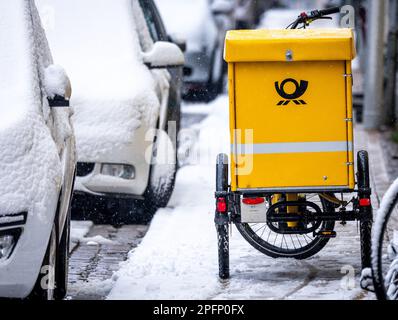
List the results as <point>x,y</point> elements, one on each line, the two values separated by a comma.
<point>37,153</point>
<point>122,100</point>
<point>248,12</point>
<point>194,22</point>
<point>244,13</point>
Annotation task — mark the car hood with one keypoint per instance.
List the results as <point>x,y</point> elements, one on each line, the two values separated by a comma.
<point>104,124</point>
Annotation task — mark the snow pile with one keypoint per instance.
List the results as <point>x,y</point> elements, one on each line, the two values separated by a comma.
<point>79,230</point>
<point>97,240</point>
<point>30,170</point>
<point>113,92</point>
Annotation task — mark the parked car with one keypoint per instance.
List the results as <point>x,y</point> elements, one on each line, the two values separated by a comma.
<point>194,22</point>
<point>246,14</point>
<point>37,165</point>
<point>125,101</point>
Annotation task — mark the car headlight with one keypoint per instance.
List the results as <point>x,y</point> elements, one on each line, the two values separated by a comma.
<point>8,240</point>
<point>123,171</point>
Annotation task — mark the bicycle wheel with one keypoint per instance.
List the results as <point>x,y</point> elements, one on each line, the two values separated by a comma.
<point>223,251</point>
<point>365,225</point>
<point>221,219</point>
<point>385,247</point>
<point>297,246</point>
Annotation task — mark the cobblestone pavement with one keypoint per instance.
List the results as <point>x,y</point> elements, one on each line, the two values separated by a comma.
<point>94,261</point>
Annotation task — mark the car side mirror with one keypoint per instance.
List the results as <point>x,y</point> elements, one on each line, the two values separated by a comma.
<point>164,55</point>
<point>222,7</point>
<point>57,86</point>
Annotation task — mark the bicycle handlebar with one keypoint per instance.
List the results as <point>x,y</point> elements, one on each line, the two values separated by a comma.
<point>314,15</point>
<point>329,11</point>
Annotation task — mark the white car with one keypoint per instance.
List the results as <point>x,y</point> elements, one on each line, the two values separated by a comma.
<point>37,155</point>
<point>121,102</point>
<point>194,22</point>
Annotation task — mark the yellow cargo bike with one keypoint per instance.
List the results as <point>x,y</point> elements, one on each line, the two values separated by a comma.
<point>291,176</point>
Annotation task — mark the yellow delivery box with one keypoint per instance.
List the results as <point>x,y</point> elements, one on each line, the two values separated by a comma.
<point>291,109</point>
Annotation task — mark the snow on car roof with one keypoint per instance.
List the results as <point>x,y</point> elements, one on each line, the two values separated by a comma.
<point>16,73</point>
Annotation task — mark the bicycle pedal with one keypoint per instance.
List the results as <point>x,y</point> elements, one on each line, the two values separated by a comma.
<point>327,234</point>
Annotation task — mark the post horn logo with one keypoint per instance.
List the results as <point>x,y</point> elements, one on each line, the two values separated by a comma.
<point>295,96</point>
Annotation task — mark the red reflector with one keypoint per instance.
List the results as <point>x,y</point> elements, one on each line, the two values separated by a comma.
<point>253,201</point>
<point>221,205</point>
<point>364,202</point>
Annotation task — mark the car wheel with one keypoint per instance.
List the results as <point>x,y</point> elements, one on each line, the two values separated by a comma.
<point>161,177</point>
<point>44,288</point>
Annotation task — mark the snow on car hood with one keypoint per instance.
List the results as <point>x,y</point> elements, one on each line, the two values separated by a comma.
<point>113,92</point>
<point>102,124</point>
<point>30,170</point>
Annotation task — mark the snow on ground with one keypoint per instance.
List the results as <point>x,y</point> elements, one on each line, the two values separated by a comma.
<point>178,257</point>
<point>79,229</point>
<point>79,232</point>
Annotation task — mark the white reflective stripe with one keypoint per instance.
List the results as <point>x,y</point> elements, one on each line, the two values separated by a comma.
<point>292,147</point>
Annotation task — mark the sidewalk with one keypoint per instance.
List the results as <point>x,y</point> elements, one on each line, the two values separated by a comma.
<point>372,142</point>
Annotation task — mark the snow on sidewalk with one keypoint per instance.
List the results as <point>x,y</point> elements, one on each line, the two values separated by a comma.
<point>178,257</point>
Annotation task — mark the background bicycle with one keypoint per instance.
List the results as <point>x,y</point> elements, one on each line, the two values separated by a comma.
<point>385,247</point>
